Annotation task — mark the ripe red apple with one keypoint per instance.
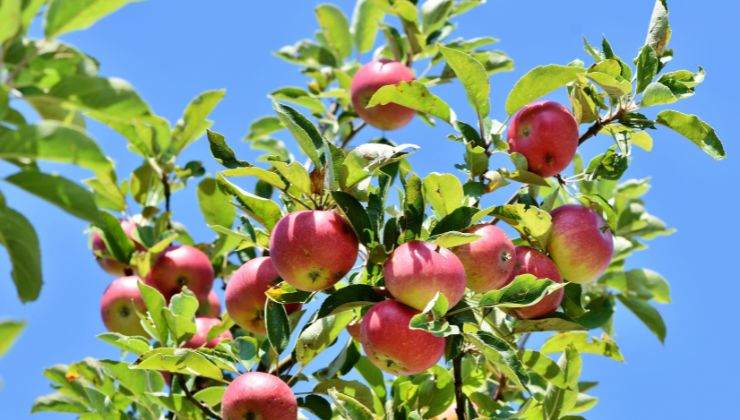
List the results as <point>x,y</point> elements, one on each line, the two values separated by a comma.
<point>581,243</point>
<point>371,77</point>
<point>489,260</point>
<point>530,261</point>
<point>394,347</point>
<point>245,294</point>
<point>103,257</point>
<point>119,304</point>
<point>182,266</point>
<point>211,307</point>
<point>258,395</point>
<point>202,328</point>
<point>313,249</point>
<point>417,270</point>
<point>546,134</point>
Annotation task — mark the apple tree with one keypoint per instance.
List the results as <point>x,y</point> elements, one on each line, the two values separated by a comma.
<point>355,287</point>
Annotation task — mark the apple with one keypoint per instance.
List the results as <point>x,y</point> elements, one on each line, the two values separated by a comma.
<point>546,133</point>
<point>258,395</point>
<point>211,307</point>
<point>581,243</point>
<point>119,304</point>
<point>182,266</point>
<point>354,329</point>
<point>394,347</point>
<point>106,261</point>
<point>202,328</point>
<point>417,270</point>
<point>245,294</point>
<point>489,260</point>
<point>530,261</point>
<point>371,77</point>
<point>313,249</point>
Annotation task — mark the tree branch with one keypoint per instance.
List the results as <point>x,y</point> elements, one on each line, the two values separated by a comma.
<point>189,395</point>
<point>352,134</point>
<point>459,396</point>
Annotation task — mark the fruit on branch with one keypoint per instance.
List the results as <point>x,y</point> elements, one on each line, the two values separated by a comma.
<point>202,328</point>
<point>417,270</point>
<point>211,307</point>
<point>245,294</point>
<point>530,261</point>
<point>581,243</point>
<point>394,347</point>
<point>313,249</point>
<point>106,261</point>
<point>489,260</point>
<point>546,133</point>
<point>258,395</point>
<point>119,304</point>
<point>180,266</point>
<point>354,329</point>
<point>371,77</point>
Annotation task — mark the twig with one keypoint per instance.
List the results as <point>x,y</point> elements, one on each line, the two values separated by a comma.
<point>189,395</point>
<point>167,191</point>
<point>459,396</point>
<point>352,134</point>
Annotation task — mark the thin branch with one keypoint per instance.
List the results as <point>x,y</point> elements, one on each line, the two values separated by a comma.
<point>459,396</point>
<point>189,395</point>
<point>352,134</point>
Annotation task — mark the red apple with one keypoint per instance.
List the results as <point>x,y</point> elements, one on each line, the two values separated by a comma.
<point>211,307</point>
<point>394,347</point>
<point>258,395</point>
<point>546,134</point>
<point>581,243</point>
<point>530,261</point>
<point>103,257</point>
<point>119,304</point>
<point>371,77</point>
<point>182,266</point>
<point>202,328</point>
<point>314,249</point>
<point>417,270</point>
<point>489,260</point>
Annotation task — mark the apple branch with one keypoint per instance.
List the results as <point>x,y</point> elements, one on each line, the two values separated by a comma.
<point>459,396</point>
<point>190,397</point>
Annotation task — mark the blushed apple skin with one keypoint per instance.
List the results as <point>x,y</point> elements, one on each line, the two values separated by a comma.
<point>202,328</point>
<point>182,266</point>
<point>392,346</point>
<point>530,261</point>
<point>581,243</point>
<point>119,304</point>
<point>211,307</point>
<point>417,270</point>
<point>546,133</point>
<point>313,249</point>
<point>109,264</point>
<point>371,77</point>
<point>489,260</point>
<point>261,394</point>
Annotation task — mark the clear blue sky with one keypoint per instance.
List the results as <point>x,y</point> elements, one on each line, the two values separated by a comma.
<point>172,50</point>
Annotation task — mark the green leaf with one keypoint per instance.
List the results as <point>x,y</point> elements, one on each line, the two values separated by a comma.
<point>453,238</point>
<point>432,320</point>
<point>444,192</point>
<point>262,174</point>
<point>222,152</point>
<point>65,16</point>
<point>58,403</point>
<point>180,315</point>
<point>558,400</point>
<point>9,333</point>
<point>335,28</point>
<point>116,240</point>
<point>297,176</point>
<point>308,137</point>
<point>436,391</point>
<point>416,96</point>
<point>694,129</point>
<point>317,405</point>
<point>10,15</point>
<point>502,355</point>
<point>354,389</point>
<point>320,334</point>
<point>639,283</point>
<point>136,345</point>
<point>60,191</point>
<point>647,314</point>
<point>604,346</point>
<point>524,290</point>
<point>260,209</point>
<point>215,203</point>
<point>194,120</point>
<point>659,30</point>
<point>178,360</point>
<point>555,323</point>
<point>532,222</point>
<point>458,220</point>
<point>277,325</point>
<point>539,82</point>
<point>211,396</point>
<point>473,77</point>
<point>544,367</point>
<point>657,93</point>
<point>607,74</point>
<point>300,97</point>
<point>111,100</point>
<point>647,67</point>
<point>357,216</point>
<point>366,19</point>
<point>349,407</point>
<point>372,375</point>
<point>263,126</point>
<point>155,306</point>
<point>19,238</point>
<point>348,297</point>
<point>434,14</point>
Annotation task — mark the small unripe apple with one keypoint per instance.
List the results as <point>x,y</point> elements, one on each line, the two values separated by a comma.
<point>371,77</point>
<point>581,243</point>
<point>258,395</point>
<point>106,261</point>
<point>489,260</point>
<point>530,261</point>
<point>417,270</point>
<point>119,304</point>
<point>211,307</point>
<point>394,347</point>
<point>313,249</point>
<point>202,328</point>
<point>182,266</point>
<point>546,133</point>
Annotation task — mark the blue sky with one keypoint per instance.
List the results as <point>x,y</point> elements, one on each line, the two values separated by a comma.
<point>173,50</point>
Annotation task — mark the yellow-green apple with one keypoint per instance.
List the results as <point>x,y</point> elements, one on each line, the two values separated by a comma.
<point>118,307</point>
<point>258,395</point>
<point>371,77</point>
<point>313,249</point>
<point>489,260</point>
<point>530,261</point>
<point>546,133</point>
<point>202,328</point>
<point>211,307</point>
<point>245,294</point>
<point>106,261</point>
<point>394,347</point>
<point>418,270</point>
<point>581,243</point>
<point>180,266</point>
